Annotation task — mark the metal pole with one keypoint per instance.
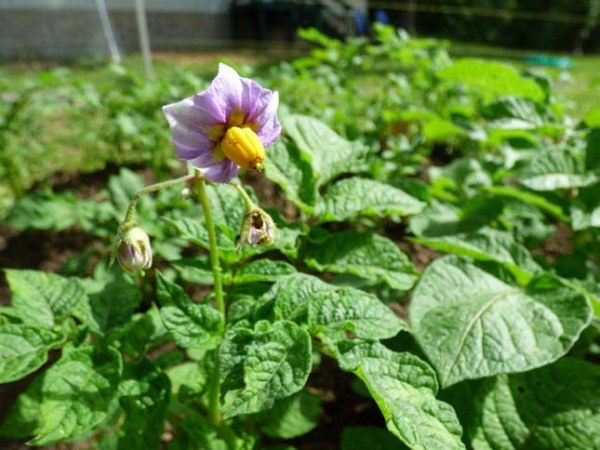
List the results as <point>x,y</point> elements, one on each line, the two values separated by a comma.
<point>108,32</point>
<point>142,25</point>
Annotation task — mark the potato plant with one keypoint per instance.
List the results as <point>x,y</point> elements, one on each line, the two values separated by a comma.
<point>207,335</point>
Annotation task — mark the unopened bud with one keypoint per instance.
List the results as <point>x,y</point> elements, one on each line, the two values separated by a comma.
<point>258,228</point>
<point>243,146</point>
<point>133,249</point>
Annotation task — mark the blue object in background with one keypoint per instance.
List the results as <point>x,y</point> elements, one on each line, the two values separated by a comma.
<point>361,22</point>
<point>381,16</point>
<point>549,61</point>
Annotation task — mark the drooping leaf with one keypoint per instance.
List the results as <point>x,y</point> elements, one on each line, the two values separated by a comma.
<point>144,396</point>
<point>289,168</point>
<point>43,298</point>
<point>355,197</point>
<point>351,310</point>
<point>112,298</point>
<point>263,365</point>
<point>191,324</point>
<point>328,153</point>
<point>471,324</point>
<point>23,349</point>
<point>557,169</point>
<point>555,407</point>
<point>488,244</point>
<point>78,394</point>
<point>404,387</point>
<point>366,255</point>
<point>291,416</point>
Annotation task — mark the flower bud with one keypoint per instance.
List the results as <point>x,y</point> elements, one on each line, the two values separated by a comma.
<point>133,249</point>
<point>257,229</point>
<point>243,146</point>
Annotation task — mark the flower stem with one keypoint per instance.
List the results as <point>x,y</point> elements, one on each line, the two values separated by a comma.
<point>214,413</point>
<point>247,200</point>
<point>152,188</point>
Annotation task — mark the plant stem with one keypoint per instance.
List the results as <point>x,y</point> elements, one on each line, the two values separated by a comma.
<point>247,200</point>
<point>152,188</point>
<point>214,413</point>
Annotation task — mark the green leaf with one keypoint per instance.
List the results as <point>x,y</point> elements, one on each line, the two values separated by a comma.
<point>554,408</point>
<point>527,197</point>
<point>195,270</point>
<point>372,438</point>
<point>291,416</point>
<point>197,433</point>
<point>43,298</point>
<point>491,79</point>
<point>113,297</point>
<point>366,255</point>
<point>404,388</point>
<point>556,169</point>
<point>123,187</point>
<point>287,167</point>
<point>190,375</point>
<point>263,270</point>
<point>354,197</point>
<point>347,309</point>
<point>23,417</point>
<point>328,153</point>
<point>488,244</point>
<point>144,396</point>
<point>292,293</point>
<point>585,209</point>
<point>78,393</point>
<point>471,324</point>
<point>23,349</point>
<point>191,324</point>
<point>263,365</point>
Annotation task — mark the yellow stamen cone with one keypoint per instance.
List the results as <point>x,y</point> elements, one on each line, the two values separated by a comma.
<point>243,147</point>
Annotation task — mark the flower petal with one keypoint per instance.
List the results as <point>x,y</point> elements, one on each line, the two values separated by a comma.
<point>225,91</point>
<point>216,172</point>
<point>261,105</point>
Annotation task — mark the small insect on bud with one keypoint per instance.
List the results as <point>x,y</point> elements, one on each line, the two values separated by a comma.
<point>185,192</point>
<point>243,146</point>
<point>258,228</point>
<point>133,249</point>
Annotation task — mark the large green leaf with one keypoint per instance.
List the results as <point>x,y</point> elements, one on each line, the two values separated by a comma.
<point>23,418</point>
<point>43,298</point>
<point>263,365</point>
<point>291,416</point>
<point>23,349</point>
<point>552,408</point>
<point>292,294</point>
<point>78,394</point>
<point>492,79</point>
<point>262,270</point>
<point>366,255</point>
<point>404,387</point>
<point>471,324</point>
<point>351,310</point>
<point>191,324</point>
<point>488,244</point>
<point>355,197</point>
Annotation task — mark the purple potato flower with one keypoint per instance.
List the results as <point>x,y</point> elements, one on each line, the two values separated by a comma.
<point>225,127</point>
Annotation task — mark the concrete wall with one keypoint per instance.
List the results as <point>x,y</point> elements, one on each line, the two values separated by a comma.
<point>34,29</point>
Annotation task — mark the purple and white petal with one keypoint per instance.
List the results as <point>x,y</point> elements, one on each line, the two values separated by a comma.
<point>216,172</point>
<point>225,91</point>
<point>261,106</point>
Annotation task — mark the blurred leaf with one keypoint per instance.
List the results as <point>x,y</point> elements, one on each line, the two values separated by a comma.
<point>291,416</point>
